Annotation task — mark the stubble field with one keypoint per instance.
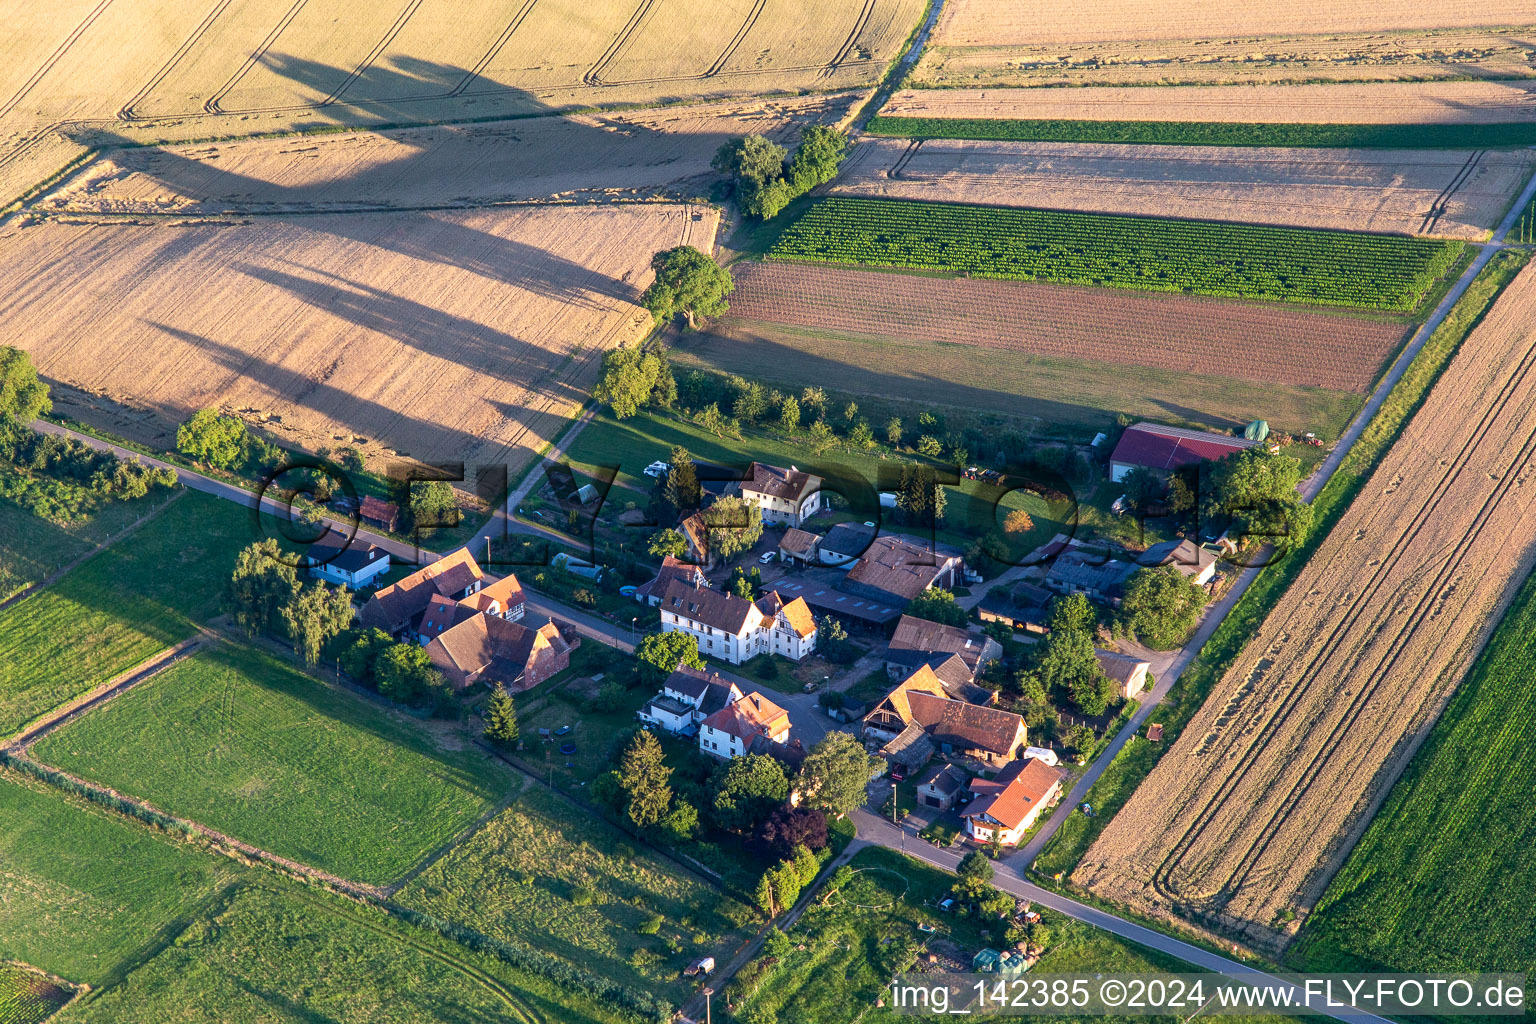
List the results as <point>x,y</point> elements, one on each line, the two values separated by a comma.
<point>1418,55</point>
<point>582,157</point>
<point>435,335</point>
<point>1445,193</point>
<point>1245,821</point>
<point>77,71</point>
<point>994,42</point>
<point>1372,103</point>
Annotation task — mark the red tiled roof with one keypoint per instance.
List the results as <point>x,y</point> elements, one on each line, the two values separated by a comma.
<point>1018,789</point>
<point>1155,447</point>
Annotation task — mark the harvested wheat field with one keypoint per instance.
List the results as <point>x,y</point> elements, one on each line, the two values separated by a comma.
<point>1007,23</point>
<point>1420,55</point>
<point>1444,193</point>
<point>1243,822</point>
<point>440,336</point>
<point>83,72</point>
<point>1377,103</point>
<point>661,153</point>
<point>1249,342</point>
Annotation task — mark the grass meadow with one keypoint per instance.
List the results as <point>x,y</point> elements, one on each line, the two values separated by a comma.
<point>546,874</point>
<point>848,944</point>
<point>634,443</point>
<point>110,613</point>
<point>241,742</point>
<point>33,548</point>
<point>83,892</point>
<point>1071,396</point>
<point>1438,880</point>
<point>274,953</point>
<point>1137,758</point>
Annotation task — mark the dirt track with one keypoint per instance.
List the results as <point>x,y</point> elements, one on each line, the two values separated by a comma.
<point>1373,103</point>
<point>1435,192</point>
<point>1244,821</point>
<point>460,335</point>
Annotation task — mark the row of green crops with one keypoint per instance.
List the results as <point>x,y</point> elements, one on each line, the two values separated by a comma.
<point>28,998</point>
<point>1213,133</point>
<point>1322,268</point>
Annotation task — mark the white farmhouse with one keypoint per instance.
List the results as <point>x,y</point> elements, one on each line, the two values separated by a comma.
<point>734,629</point>
<point>786,496</point>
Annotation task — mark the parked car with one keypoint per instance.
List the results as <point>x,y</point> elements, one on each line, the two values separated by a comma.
<point>766,557</point>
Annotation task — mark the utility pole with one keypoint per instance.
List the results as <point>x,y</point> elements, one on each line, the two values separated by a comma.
<point>707,993</point>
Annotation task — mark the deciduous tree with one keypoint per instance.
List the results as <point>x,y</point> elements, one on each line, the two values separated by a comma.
<point>660,654</point>
<point>219,441</point>
<point>1161,606</point>
<point>263,583</point>
<point>688,283</point>
<point>315,614</point>
<point>745,790</point>
<point>668,542</point>
<point>734,524</point>
<point>634,377</point>
<point>23,397</point>
<point>937,605</point>
<point>836,773</point>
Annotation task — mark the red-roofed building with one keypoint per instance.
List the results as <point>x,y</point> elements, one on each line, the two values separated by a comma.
<point>1006,806</point>
<point>1165,449</point>
<point>731,731</point>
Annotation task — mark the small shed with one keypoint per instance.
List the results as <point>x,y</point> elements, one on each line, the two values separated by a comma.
<point>1155,733</point>
<point>1013,962</point>
<point>586,494</point>
<point>987,961</point>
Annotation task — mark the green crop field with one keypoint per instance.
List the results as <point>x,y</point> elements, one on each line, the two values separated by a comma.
<point>1213,133</point>
<point>1322,268</point>
<point>236,740</point>
<point>83,891</point>
<point>113,611</point>
<point>1439,879</point>
<point>274,953</point>
<point>27,998</point>
<point>516,878</point>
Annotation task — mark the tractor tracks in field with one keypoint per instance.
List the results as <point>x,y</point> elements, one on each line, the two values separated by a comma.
<point>1366,605</point>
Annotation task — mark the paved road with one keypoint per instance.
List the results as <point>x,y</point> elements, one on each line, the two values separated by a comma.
<point>877,830</point>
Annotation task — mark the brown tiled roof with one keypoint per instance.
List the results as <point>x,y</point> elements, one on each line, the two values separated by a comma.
<point>945,778</point>
<point>912,746</point>
<point>507,591</point>
<point>752,715</point>
<point>799,542</point>
<point>671,569</point>
<point>797,613</point>
<point>957,680</point>
<point>486,643</point>
<point>791,483</point>
<point>401,604</point>
<point>1119,667</point>
<point>442,614</point>
<point>696,532</point>
<point>922,681</point>
<point>898,567</point>
<point>1018,789</point>
<point>711,607</point>
<point>923,636</point>
<point>956,721</point>
<point>1184,555</point>
<point>378,510</point>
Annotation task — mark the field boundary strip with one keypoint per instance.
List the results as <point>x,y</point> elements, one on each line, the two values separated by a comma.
<point>1493,135</point>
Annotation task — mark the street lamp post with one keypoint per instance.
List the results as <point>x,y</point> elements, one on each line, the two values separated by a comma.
<point>632,638</point>
<point>707,993</point>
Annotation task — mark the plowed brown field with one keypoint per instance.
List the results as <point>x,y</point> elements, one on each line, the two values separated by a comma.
<point>1249,342</point>
<point>1420,56</point>
<point>1379,103</point>
<point>1430,192</point>
<point>452,335</point>
<point>1243,822</point>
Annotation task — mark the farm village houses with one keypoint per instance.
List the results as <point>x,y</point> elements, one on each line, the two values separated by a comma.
<point>660,513</point>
